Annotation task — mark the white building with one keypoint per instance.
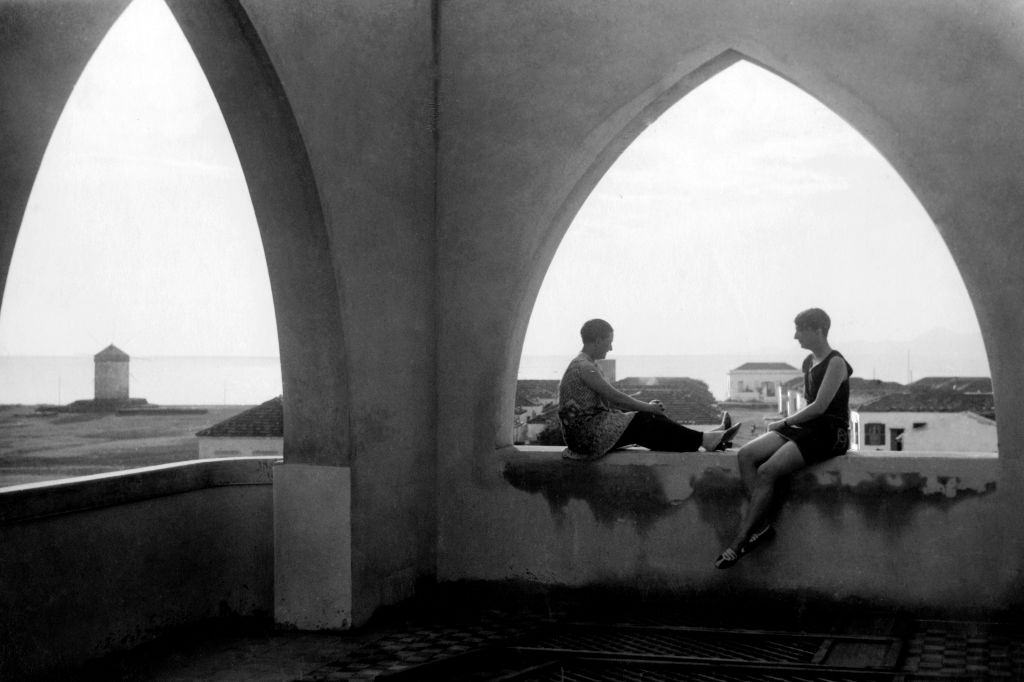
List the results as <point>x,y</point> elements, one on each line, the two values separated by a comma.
<point>927,421</point>
<point>257,432</point>
<point>760,381</point>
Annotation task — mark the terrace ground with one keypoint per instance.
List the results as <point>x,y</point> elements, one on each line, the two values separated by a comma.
<point>37,447</point>
<point>472,633</point>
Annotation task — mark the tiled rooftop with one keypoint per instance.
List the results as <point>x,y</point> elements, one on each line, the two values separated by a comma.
<point>681,406</point>
<point>932,401</point>
<point>536,391</point>
<point>676,383</point>
<point>263,421</point>
<point>766,366</point>
<point>958,384</point>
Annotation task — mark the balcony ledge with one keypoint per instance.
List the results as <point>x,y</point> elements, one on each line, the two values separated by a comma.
<point>929,473</point>
<point>50,498</point>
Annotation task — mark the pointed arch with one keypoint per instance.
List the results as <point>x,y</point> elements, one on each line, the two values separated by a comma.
<point>45,49</point>
<point>49,49</point>
<point>621,129</point>
<point>286,201</point>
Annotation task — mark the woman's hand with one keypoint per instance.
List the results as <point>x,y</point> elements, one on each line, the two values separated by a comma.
<point>776,425</point>
<point>656,407</point>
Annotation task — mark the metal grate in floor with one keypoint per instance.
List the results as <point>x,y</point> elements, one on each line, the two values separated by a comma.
<point>632,672</point>
<point>705,644</point>
<point>610,653</point>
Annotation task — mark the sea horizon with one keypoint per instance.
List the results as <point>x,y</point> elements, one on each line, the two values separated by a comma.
<point>250,380</point>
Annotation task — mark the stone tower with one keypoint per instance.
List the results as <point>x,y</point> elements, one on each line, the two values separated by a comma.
<point>111,377</point>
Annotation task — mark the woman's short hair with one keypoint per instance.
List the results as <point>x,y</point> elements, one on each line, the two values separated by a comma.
<point>814,318</point>
<point>594,330</point>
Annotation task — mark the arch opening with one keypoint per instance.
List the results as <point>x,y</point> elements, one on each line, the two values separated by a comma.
<point>139,233</point>
<point>745,202</point>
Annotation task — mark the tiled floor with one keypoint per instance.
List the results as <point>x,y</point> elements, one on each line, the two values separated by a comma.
<point>574,641</point>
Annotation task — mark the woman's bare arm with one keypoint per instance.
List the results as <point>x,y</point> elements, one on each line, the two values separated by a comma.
<point>835,374</point>
<point>593,379</point>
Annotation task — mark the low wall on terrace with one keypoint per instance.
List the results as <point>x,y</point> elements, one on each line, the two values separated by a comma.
<point>907,531</point>
<point>100,563</point>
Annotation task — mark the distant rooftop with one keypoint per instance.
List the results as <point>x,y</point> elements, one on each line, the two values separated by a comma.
<point>536,391</point>
<point>262,421</point>
<point>681,405</point>
<point>111,352</point>
<point>795,382</point>
<point>766,366</point>
<point>933,401</point>
<point>660,382</point>
<point>958,384</point>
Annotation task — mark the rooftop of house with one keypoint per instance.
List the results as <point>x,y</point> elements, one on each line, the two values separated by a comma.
<point>547,414</point>
<point>765,367</point>
<point>111,352</point>
<point>682,406</point>
<point>795,382</point>
<point>958,384</point>
<point>660,382</point>
<point>863,391</point>
<point>932,401</point>
<point>536,391</point>
<point>263,421</point>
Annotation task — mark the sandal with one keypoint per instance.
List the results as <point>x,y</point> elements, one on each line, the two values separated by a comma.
<point>730,556</point>
<point>727,437</point>
<point>758,538</point>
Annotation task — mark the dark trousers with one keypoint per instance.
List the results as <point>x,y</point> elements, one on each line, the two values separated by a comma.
<point>658,432</point>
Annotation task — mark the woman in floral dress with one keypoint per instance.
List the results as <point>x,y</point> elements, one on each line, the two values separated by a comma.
<point>596,417</point>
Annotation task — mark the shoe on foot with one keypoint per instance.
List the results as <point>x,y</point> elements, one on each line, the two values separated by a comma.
<point>727,436</point>
<point>758,538</point>
<point>729,557</point>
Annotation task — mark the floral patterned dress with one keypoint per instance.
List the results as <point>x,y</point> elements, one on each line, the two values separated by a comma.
<point>590,425</point>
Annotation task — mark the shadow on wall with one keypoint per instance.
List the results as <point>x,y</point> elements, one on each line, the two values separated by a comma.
<point>643,494</point>
<point>638,494</point>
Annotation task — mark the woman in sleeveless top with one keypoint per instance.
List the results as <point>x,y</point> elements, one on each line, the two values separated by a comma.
<point>596,417</point>
<point>813,434</point>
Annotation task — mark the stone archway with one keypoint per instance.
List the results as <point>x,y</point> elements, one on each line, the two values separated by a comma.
<point>286,201</point>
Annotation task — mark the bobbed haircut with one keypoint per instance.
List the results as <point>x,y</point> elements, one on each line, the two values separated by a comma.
<point>594,330</point>
<point>814,318</point>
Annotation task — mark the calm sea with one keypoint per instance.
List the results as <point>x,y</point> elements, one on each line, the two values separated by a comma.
<point>160,380</point>
<point>711,369</point>
<point>248,381</point>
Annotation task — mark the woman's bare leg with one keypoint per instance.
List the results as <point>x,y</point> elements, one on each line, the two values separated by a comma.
<point>754,454</point>
<point>783,462</point>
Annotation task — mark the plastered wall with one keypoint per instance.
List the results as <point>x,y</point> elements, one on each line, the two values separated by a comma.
<point>414,165</point>
<point>538,99</point>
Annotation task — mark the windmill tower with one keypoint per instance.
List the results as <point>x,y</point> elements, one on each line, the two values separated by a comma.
<point>111,375</point>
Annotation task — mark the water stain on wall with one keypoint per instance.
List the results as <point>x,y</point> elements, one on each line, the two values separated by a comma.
<point>643,495</point>
<point>624,493</point>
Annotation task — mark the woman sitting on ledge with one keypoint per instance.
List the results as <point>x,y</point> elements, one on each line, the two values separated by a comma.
<point>815,433</point>
<point>594,417</point>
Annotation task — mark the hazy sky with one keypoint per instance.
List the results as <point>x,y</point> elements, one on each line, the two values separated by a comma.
<point>743,204</point>
<point>140,230</point>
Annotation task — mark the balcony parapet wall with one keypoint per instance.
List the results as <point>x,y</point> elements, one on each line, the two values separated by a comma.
<point>911,530</point>
<point>100,563</point>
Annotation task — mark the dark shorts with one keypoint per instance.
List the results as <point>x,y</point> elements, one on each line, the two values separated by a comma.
<point>818,440</point>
